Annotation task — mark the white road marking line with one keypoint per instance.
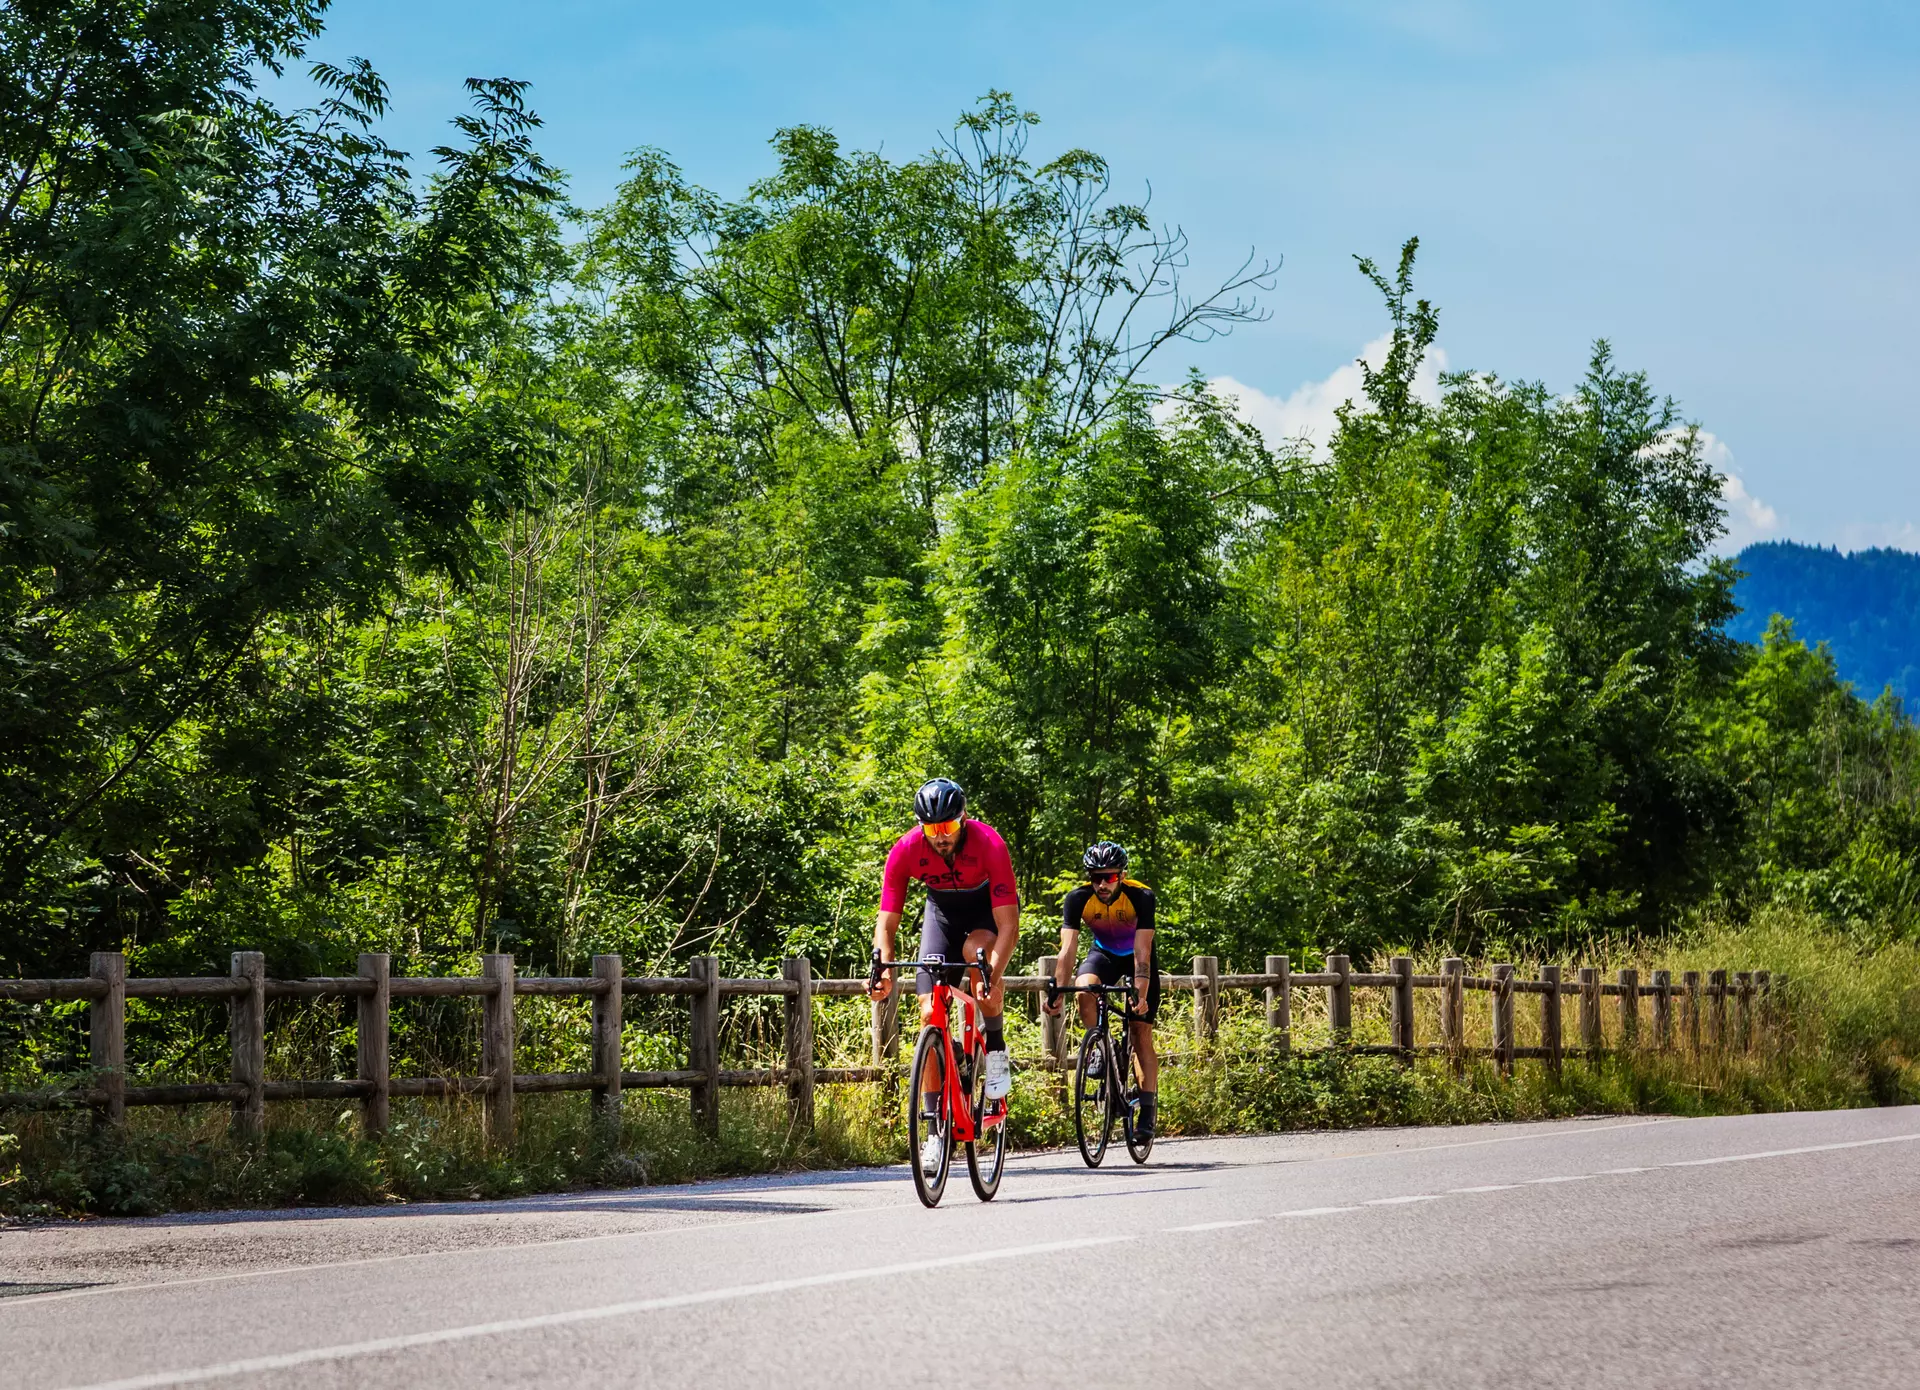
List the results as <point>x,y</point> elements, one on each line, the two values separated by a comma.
<point>1402,1201</point>
<point>1573,1177</point>
<point>1212,1225</point>
<point>1317,1211</point>
<point>1789,1153</point>
<point>1489,1187</point>
<point>348,1350</point>
<point>1617,1172</point>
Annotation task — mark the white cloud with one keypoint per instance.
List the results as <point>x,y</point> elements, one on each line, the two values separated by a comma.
<point>1892,535</point>
<point>1748,518</point>
<point>1308,414</point>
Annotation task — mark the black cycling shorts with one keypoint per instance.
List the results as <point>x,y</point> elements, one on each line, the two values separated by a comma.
<point>1112,968</point>
<point>944,931</point>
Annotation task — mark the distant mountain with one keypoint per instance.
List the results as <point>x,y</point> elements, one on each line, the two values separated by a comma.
<point>1865,606</point>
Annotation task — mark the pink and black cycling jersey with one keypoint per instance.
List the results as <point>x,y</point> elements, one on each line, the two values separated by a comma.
<point>979,878</point>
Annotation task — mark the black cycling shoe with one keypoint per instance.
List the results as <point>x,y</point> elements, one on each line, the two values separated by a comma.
<point>1145,1115</point>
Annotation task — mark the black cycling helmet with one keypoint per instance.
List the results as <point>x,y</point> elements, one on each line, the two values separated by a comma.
<point>1104,858</point>
<point>940,799</point>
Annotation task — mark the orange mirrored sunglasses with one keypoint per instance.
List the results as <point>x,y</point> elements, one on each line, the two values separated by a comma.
<point>940,827</point>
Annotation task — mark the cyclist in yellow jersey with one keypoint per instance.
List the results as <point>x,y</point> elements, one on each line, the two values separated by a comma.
<point>1119,910</point>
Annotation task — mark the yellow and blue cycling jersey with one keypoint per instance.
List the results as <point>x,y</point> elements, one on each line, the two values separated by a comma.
<point>1113,924</point>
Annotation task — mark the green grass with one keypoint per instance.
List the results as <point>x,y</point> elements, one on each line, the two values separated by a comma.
<point>1851,1036</point>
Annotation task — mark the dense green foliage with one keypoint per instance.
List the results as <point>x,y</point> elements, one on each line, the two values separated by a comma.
<point>1865,606</point>
<point>393,560</point>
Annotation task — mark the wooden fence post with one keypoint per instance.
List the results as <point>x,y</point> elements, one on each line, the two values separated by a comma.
<point>1340,1001</point>
<point>1053,1027</point>
<point>1591,1038</point>
<point>1717,1009</point>
<point>1663,1010</point>
<point>1629,980</point>
<point>1690,1009</point>
<point>1453,1012</point>
<point>703,1047</point>
<point>1743,999</point>
<point>496,1047</point>
<point>1503,1018</point>
<point>1401,968</point>
<point>107,1034</point>
<point>799,970</point>
<point>608,1013</point>
<point>373,1048</point>
<point>247,1037</point>
<point>1206,1000</point>
<point>1280,1006</point>
<point>1550,1031</point>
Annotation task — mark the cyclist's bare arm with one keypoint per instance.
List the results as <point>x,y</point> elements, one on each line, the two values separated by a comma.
<point>1142,972</point>
<point>886,935</point>
<point>1063,964</point>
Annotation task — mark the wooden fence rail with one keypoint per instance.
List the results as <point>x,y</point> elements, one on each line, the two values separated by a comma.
<point>1754,1026</point>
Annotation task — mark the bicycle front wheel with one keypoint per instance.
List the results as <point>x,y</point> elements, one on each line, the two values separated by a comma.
<point>987,1150</point>
<point>1093,1096</point>
<point>932,1059</point>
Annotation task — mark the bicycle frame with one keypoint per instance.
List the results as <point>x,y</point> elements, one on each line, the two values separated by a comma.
<point>937,1012</point>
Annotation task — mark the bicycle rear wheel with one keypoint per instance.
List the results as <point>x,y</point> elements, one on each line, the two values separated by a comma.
<point>1093,1097</point>
<point>1137,1148</point>
<point>987,1153</point>
<point>931,1060</point>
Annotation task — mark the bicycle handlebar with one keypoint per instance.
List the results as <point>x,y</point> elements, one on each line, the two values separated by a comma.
<point>878,966</point>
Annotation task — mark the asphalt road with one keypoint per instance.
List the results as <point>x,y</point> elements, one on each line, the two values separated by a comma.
<point>1757,1251</point>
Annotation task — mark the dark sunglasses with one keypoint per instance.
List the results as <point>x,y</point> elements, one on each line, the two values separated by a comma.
<point>1106,878</point>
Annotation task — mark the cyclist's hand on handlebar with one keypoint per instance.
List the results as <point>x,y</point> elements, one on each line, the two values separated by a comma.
<point>1052,1002</point>
<point>879,982</point>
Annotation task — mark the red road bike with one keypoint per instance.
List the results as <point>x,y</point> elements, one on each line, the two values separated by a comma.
<point>965,1115</point>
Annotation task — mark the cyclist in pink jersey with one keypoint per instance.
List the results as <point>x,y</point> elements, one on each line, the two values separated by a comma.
<point>972,905</point>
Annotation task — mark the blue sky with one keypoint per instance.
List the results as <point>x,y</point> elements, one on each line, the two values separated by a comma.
<point>1727,192</point>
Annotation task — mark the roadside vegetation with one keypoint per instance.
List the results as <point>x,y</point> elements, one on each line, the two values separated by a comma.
<point>396,556</point>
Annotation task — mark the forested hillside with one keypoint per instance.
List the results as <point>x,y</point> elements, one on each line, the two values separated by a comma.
<point>1864,605</point>
<point>393,556</point>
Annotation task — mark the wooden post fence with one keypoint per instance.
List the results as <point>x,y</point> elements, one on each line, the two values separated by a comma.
<point>107,1034</point>
<point>1759,1024</point>
<point>798,972</point>
<point>496,1046</point>
<point>1280,1006</point>
<point>608,1013</point>
<point>247,1038</point>
<point>373,1033</point>
<point>703,1046</point>
<point>1340,1001</point>
<point>1550,1038</point>
<point>1503,1018</point>
<point>1590,1035</point>
<point>1453,1012</point>
<point>1206,1000</point>
<point>1401,968</point>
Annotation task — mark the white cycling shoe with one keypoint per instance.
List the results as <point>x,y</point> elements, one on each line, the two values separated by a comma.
<point>999,1075</point>
<point>932,1151</point>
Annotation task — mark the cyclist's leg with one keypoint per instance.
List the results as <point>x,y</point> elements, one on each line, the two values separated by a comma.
<point>1089,1006</point>
<point>1147,1059</point>
<point>1099,968</point>
<point>938,937</point>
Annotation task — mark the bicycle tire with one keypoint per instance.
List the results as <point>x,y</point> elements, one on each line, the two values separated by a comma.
<point>930,1053</point>
<point>1093,1098</point>
<point>1137,1149</point>
<point>984,1170</point>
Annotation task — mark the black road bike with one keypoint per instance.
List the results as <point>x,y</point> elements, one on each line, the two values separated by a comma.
<point>1103,1083</point>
